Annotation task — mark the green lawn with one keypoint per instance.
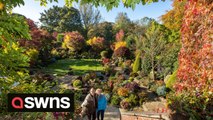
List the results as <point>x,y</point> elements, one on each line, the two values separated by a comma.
<point>79,66</point>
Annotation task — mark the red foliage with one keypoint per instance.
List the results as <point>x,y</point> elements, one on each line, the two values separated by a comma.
<point>99,44</point>
<point>55,34</point>
<point>105,61</point>
<point>195,71</point>
<point>39,37</point>
<point>31,24</point>
<point>120,36</point>
<point>74,41</point>
<point>122,52</point>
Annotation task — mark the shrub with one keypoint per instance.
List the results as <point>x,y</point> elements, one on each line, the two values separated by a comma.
<point>74,41</point>
<point>33,55</point>
<point>88,55</point>
<point>119,41</point>
<point>119,44</point>
<point>60,37</point>
<point>97,43</point>
<point>133,100</point>
<point>133,86</point>
<point>122,52</point>
<point>119,36</point>
<point>143,96</point>
<point>77,84</point>
<point>171,81</point>
<point>123,92</point>
<point>197,106</point>
<point>104,54</point>
<point>110,84</point>
<point>125,104</point>
<point>105,61</point>
<point>127,63</point>
<point>132,74</point>
<point>137,63</point>
<point>39,78</point>
<point>86,77</point>
<point>41,41</point>
<point>120,78</point>
<point>161,91</point>
<point>55,53</point>
<point>78,95</point>
<point>131,79</point>
<point>115,100</point>
<point>109,70</point>
<point>153,86</point>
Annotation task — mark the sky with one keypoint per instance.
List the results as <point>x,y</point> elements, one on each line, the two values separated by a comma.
<point>32,10</point>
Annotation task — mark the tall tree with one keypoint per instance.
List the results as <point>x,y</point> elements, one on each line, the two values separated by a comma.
<point>123,22</point>
<point>174,17</point>
<point>104,29</point>
<point>90,16</point>
<point>152,45</point>
<point>61,19</point>
<point>139,28</point>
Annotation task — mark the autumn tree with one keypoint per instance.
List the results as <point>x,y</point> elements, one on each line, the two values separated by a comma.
<point>174,17</point>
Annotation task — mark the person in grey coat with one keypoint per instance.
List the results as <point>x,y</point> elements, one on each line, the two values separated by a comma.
<point>89,105</point>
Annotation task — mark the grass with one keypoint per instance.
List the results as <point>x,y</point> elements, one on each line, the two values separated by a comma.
<point>79,66</point>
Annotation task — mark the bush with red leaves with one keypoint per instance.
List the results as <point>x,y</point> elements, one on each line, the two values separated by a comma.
<point>122,52</point>
<point>41,41</point>
<point>74,41</point>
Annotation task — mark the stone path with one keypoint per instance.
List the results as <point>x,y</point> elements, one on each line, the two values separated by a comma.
<point>112,113</point>
<point>152,110</point>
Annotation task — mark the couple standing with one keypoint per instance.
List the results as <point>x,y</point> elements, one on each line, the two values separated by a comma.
<point>94,103</point>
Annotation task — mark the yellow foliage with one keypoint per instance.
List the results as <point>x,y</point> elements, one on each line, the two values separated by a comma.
<point>21,74</point>
<point>14,47</point>
<point>123,92</point>
<point>66,38</point>
<point>91,41</point>
<point>66,41</point>
<point>1,6</point>
<point>120,44</point>
<point>64,45</point>
<point>32,54</point>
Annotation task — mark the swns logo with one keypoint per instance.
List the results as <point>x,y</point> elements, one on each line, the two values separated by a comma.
<point>40,102</point>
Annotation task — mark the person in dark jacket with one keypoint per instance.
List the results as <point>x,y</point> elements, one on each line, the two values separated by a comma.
<point>89,105</point>
<point>102,104</point>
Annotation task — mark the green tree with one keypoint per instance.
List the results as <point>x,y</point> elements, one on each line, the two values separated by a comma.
<point>104,29</point>
<point>61,19</point>
<point>90,16</point>
<point>152,45</point>
<point>140,27</point>
<point>122,21</point>
<point>137,63</point>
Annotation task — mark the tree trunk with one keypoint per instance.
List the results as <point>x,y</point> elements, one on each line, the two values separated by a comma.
<point>153,71</point>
